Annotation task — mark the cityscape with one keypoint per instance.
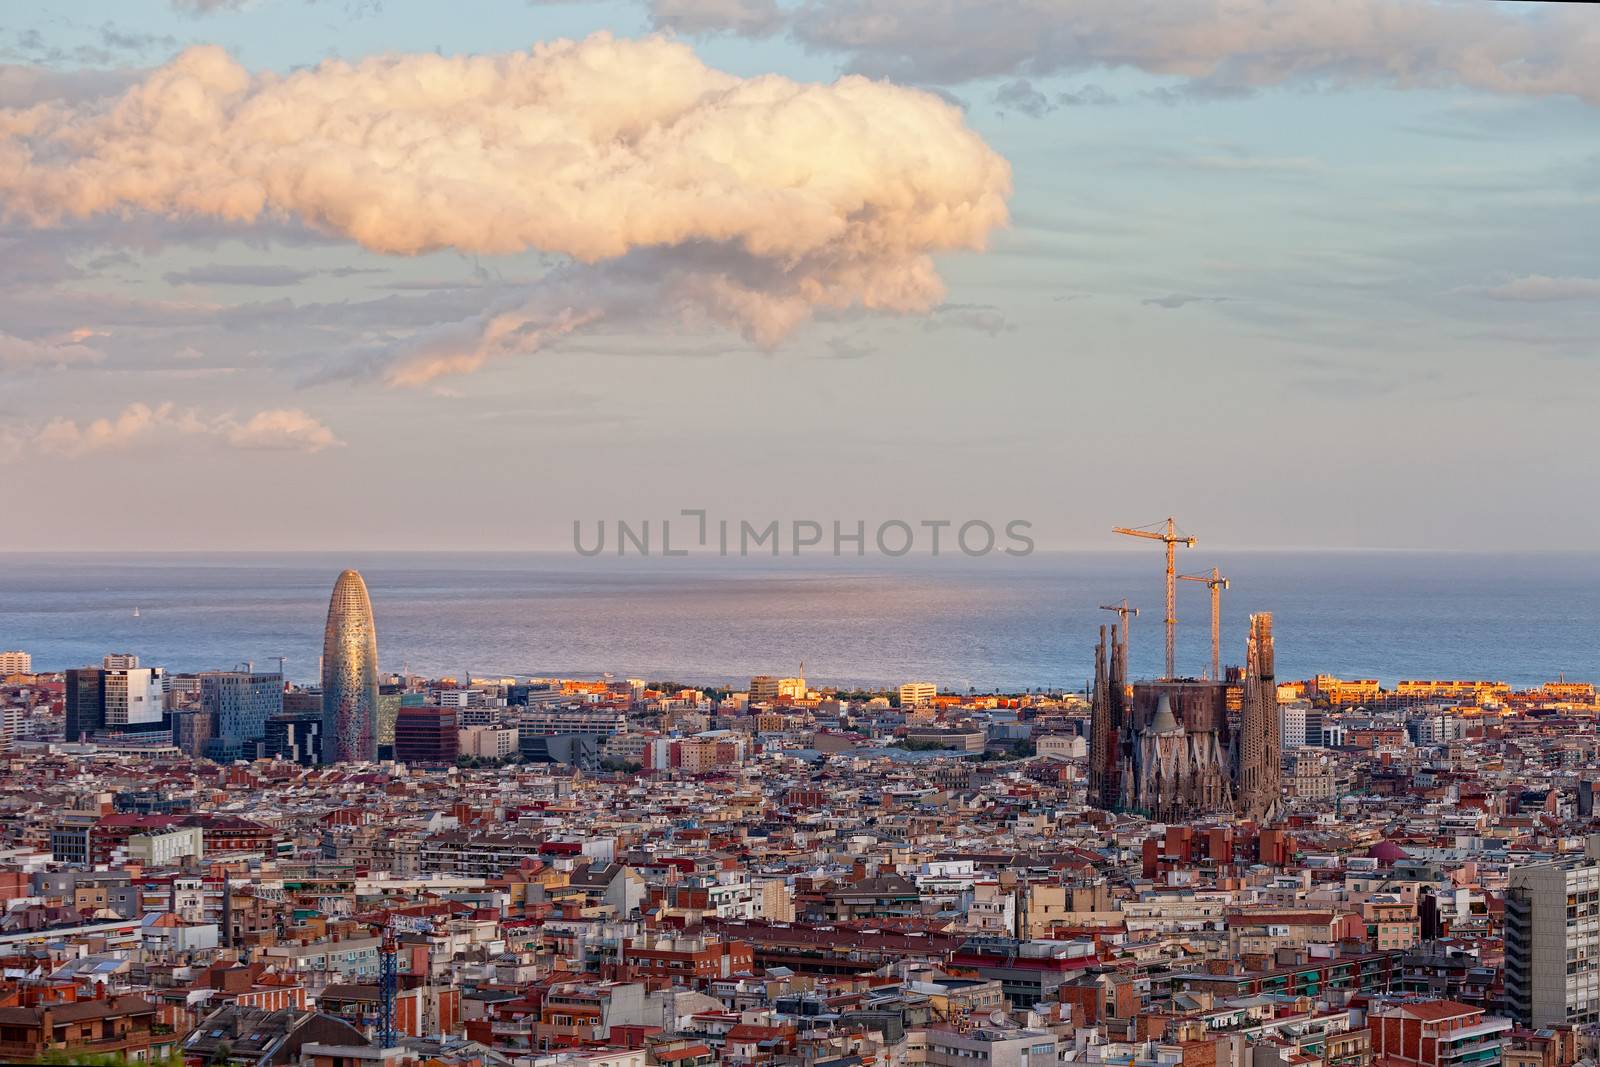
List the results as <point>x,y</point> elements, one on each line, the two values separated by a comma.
<point>613,533</point>
<point>226,866</point>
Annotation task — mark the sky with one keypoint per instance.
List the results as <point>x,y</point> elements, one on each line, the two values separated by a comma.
<point>395,274</point>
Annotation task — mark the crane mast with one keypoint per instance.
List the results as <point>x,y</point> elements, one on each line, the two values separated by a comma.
<point>1216,583</point>
<point>1169,536</point>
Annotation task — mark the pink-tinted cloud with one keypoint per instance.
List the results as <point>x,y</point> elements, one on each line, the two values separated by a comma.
<point>140,423</point>
<point>828,196</point>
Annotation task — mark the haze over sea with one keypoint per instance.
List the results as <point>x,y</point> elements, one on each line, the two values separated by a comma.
<point>985,623</point>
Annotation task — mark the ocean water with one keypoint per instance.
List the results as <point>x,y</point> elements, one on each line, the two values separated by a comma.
<point>983,623</point>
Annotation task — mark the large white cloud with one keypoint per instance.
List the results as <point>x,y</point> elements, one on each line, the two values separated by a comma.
<point>1228,44</point>
<point>770,198</point>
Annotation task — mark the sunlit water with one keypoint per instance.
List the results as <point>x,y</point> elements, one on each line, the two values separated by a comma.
<point>985,623</point>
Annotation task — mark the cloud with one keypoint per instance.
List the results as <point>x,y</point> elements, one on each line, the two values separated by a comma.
<point>1086,96</point>
<point>749,18</point>
<point>462,347</point>
<point>206,7</point>
<point>63,436</point>
<point>1241,161</point>
<point>239,274</point>
<point>19,353</point>
<point>281,429</point>
<point>980,317</point>
<point>1173,301</point>
<point>760,200</point>
<point>1541,288</point>
<point>1217,46</point>
<point>25,85</point>
<point>286,429</point>
<point>846,348</point>
<point>1020,95</point>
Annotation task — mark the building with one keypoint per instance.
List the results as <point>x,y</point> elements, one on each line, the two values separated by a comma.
<point>691,960</point>
<point>118,699</point>
<point>763,689</point>
<point>917,694</point>
<point>1436,1033</point>
<point>1292,723</point>
<point>1312,776</point>
<point>192,730</point>
<point>1168,749</point>
<point>135,698</point>
<point>1552,939</point>
<point>15,662</point>
<point>1260,743</point>
<point>241,1034</point>
<point>389,700</point>
<point>295,736</point>
<point>557,722</point>
<point>240,703</point>
<point>426,735</point>
<point>163,847</point>
<point>487,742</point>
<point>85,702</point>
<point>117,1026</point>
<point>350,674</point>
<point>990,1047</point>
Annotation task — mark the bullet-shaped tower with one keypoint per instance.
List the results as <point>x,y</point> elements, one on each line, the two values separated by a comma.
<point>349,674</point>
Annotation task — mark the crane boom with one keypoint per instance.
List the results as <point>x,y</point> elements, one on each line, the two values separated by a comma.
<point>1124,612</point>
<point>1171,538</point>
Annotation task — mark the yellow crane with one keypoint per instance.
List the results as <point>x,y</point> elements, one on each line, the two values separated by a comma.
<point>1168,535</point>
<point>1216,583</point>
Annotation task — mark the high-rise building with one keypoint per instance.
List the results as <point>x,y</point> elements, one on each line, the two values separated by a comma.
<point>240,702</point>
<point>120,661</point>
<point>388,711</point>
<point>85,702</point>
<point>763,689</point>
<point>1292,723</point>
<point>135,698</point>
<point>1552,938</point>
<point>118,699</point>
<point>1260,742</point>
<point>15,662</point>
<point>192,730</point>
<point>295,736</point>
<point>426,736</point>
<point>917,694</point>
<point>350,674</point>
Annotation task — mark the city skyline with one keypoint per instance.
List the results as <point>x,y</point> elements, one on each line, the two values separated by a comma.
<point>1118,241</point>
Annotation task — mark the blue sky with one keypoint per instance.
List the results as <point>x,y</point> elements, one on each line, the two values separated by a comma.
<point>1308,311</point>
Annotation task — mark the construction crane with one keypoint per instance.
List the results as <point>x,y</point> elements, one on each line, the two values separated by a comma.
<point>1216,583</point>
<point>389,972</point>
<point>1124,613</point>
<point>1169,536</point>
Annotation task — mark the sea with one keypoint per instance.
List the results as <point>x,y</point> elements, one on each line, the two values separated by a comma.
<point>991,623</point>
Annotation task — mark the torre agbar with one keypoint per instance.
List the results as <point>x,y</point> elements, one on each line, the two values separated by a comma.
<point>350,674</point>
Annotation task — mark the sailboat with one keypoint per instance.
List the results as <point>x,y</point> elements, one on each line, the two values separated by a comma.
<point>136,613</point>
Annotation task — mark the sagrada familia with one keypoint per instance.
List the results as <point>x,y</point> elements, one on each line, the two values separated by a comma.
<point>1168,749</point>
